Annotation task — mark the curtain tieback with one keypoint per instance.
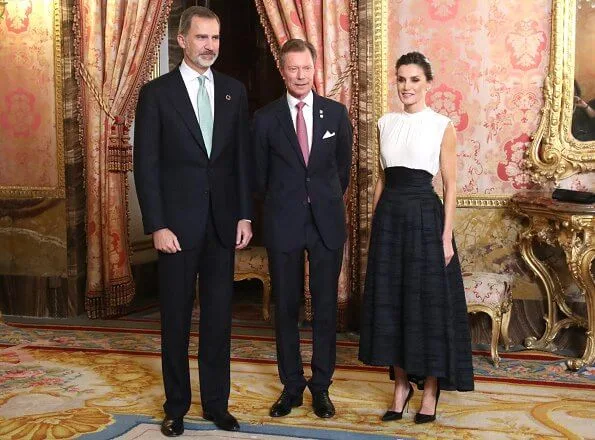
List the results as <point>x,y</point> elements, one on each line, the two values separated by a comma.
<point>340,81</point>
<point>119,150</point>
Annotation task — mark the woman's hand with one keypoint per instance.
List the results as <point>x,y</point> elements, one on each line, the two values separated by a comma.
<point>448,250</point>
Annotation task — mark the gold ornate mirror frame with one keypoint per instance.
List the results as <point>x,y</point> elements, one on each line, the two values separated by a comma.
<point>554,153</point>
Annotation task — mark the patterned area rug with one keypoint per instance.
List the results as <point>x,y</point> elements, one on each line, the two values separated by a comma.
<point>256,343</point>
<point>102,380</point>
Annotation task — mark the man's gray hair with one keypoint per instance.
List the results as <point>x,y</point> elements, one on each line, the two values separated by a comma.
<point>296,45</point>
<point>191,12</point>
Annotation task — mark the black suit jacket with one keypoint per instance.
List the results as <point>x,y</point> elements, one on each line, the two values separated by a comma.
<point>286,182</point>
<point>175,179</point>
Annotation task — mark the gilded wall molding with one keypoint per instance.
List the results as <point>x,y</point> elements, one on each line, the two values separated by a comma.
<point>60,191</point>
<point>554,153</point>
<point>380,72</point>
<point>483,201</point>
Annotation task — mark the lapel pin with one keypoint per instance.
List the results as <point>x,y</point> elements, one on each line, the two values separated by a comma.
<point>228,97</point>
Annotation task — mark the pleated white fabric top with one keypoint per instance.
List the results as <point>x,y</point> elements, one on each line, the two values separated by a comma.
<point>412,140</point>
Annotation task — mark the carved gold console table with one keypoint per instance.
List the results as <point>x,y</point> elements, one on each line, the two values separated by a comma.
<point>571,227</point>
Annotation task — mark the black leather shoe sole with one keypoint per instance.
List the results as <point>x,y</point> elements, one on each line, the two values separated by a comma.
<point>172,427</point>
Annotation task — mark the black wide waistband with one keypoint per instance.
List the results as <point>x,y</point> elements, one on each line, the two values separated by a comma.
<point>400,177</point>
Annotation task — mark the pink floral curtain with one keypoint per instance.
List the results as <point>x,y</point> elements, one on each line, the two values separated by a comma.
<point>331,26</point>
<point>116,43</point>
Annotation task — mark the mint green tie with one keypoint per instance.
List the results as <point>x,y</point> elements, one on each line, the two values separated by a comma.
<point>205,114</point>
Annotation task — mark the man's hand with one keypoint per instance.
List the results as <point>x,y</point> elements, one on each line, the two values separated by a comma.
<point>244,234</point>
<point>166,241</point>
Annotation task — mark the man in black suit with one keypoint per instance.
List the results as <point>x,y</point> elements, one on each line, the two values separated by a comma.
<point>191,174</point>
<point>302,147</point>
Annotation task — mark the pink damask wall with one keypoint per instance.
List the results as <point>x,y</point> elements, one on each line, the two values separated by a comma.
<point>489,60</point>
<point>27,96</point>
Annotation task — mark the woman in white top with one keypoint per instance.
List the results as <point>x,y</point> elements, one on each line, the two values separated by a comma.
<point>414,315</point>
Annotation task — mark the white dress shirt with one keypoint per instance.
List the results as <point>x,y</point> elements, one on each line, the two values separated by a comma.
<point>307,111</point>
<point>190,77</point>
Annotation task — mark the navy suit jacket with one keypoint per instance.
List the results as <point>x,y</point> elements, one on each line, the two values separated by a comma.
<point>289,186</point>
<point>176,182</point>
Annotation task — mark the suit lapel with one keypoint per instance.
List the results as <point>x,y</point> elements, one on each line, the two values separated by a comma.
<point>178,95</point>
<point>223,98</point>
<point>317,127</point>
<point>284,116</point>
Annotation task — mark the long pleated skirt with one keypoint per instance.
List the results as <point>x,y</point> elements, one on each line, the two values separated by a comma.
<point>414,313</point>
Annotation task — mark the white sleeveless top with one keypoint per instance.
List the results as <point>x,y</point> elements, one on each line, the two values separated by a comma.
<point>412,140</point>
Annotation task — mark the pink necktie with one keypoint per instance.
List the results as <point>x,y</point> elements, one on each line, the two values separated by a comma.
<point>302,132</point>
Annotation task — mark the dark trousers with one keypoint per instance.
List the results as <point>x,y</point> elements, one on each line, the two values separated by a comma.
<point>177,279</point>
<point>287,278</point>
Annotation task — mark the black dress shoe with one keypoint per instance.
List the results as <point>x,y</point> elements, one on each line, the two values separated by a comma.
<point>323,407</point>
<point>398,415</point>
<point>172,427</point>
<point>224,420</point>
<point>284,403</point>
<point>426,418</point>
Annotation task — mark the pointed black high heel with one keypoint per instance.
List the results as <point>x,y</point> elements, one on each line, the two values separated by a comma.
<point>394,415</point>
<point>426,418</point>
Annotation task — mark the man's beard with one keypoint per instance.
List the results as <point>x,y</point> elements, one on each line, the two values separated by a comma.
<point>204,62</point>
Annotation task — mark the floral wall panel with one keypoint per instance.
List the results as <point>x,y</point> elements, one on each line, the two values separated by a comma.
<point>31,144</point>
<point>489,60</point>
<point>33,219</point>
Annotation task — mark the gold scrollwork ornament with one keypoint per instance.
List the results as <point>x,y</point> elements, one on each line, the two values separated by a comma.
<point>554,153</point>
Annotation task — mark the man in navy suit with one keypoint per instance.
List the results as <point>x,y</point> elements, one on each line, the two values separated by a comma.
<point>302,148</point>
<point>191,173</point>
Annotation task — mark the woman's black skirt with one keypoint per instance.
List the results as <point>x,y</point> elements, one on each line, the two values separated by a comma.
<point>414,313</point>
